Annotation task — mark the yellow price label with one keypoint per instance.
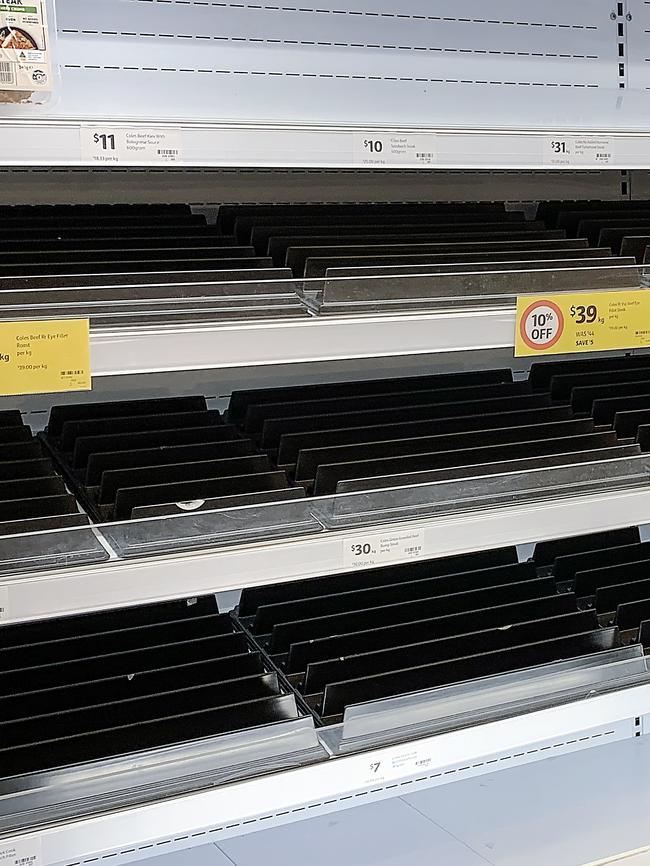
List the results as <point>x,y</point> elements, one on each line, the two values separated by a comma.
<point>582,322</point>
<point>44,357</point>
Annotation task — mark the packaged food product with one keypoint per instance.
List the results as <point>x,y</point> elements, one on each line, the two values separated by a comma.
<point>26,51</point>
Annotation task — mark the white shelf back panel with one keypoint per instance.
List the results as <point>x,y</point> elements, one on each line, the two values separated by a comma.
<point>403,63</point>
<point>638,47</point>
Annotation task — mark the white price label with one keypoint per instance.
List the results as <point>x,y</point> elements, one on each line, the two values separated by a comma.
<point>21,852</point>
<point>364,551</point>
<point>4,603</point>
<point>416,149</point>
<point>588,151</point>
<point>114,145</point>
<point>375,769</point>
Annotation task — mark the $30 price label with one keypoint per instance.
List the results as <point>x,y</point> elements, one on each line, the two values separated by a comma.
<point>375,549</point>
<point>584,322</point>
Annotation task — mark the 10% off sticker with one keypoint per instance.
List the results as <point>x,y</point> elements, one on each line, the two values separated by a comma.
<point>543,322</point>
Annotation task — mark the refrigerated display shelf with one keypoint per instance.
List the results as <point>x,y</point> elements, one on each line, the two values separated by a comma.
<point>82,811</point>
<point>138,265</point>
<point>145,458</point>
<point>38,592</point>
<point>499,820</point>
<point>250,512</point>
<point>177,298</point>
<point>131,460</point>
<point>361,638</point>
<point>159,300</point>
<point>130,834</point>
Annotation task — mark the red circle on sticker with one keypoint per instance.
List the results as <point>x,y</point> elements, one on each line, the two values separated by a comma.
<point>541,325</point>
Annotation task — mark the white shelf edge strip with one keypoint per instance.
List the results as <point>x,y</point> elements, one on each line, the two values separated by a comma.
<point>113,584</point>
<point>132,351</point>
<point>332,784</point>
<point>71,143</point>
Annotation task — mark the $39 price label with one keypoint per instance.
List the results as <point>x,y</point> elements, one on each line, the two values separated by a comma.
<point>584,322</point>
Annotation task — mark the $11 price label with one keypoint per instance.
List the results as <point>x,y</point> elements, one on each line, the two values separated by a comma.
<point>130,145</point>
<point>582,322</point>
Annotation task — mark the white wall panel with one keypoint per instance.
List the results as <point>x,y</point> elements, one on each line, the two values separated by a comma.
<point>449,63</point>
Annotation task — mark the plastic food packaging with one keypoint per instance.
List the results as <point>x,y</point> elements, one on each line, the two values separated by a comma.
<point>27,47</point>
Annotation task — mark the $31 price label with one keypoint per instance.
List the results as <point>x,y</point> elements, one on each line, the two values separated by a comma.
<point>582,322</point>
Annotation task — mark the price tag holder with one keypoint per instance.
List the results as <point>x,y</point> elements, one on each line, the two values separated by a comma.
<point>130,146</point>
<point>415,149</point>
<point>21,852</point>
<point>44,357</point>
<point>582,322</point>
<point>370,549</point>
<point>578,151</point>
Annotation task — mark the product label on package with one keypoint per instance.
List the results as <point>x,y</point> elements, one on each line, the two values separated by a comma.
<point>44,357</point>
<point>114,145</point>
<point>582,322</point>
<point>24,50</point>
<point>416,149</point>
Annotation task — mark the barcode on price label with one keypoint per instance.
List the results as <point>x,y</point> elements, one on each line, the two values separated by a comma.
<point>372,549</point>
<point>21,852</point>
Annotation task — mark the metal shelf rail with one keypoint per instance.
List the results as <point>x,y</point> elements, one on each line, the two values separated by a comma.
<point>195,347</point>
<point>42,594</point>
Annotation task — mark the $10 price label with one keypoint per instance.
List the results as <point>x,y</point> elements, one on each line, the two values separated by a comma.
<point>584,322</point>
<point>415,149</point>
